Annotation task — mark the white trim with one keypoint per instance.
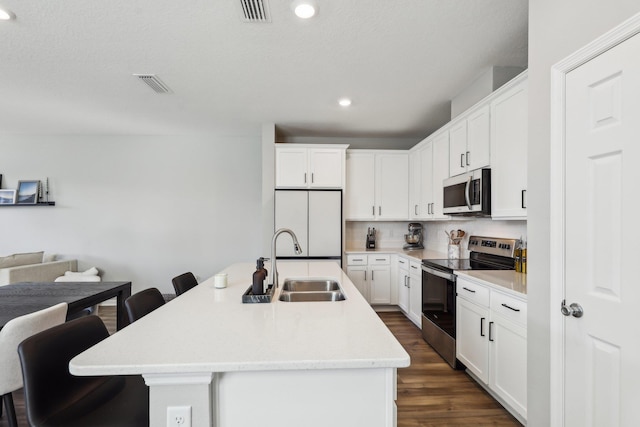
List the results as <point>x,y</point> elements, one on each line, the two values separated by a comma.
<point>178,379</point>
<point>622,32</point>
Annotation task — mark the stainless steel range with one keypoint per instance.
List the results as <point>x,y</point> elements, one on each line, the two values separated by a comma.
<point>439,289</point>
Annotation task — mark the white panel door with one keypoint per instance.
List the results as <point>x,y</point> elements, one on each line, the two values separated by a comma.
<point>440,173</point>
<point>325,223</point>
<point>602,348</point>
<point>325,167</point>
<point>458,148</point>
<point>426,187</point>
<point>392,186</point>
<point>292,212</point>
<point>478,139</point>
<point>380,284</point>
<point>358,275</point>
<point>472,337</point>
<point>416,186</point>
<point>291,167</point>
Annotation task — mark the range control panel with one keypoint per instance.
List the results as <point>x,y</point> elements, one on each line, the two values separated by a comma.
<point>493,245</point>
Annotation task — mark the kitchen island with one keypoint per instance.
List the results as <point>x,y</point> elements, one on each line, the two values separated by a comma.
<point>273,364</point>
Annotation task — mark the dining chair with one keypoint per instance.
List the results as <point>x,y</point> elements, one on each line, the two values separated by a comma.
<point>11,335</point>
<point>55,398</point>
<point>184,282</point>
<point>142,303</point>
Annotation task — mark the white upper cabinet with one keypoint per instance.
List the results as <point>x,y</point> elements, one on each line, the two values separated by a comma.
<point>428,167</point>
<point>305,166</point>
<point>377,185</point>
<point>469,147</point>
<point>509,152</point>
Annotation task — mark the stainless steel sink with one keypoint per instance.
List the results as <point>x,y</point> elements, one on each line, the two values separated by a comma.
<point>310,285</point>
<point>305,290</point>
<point>312,296</point>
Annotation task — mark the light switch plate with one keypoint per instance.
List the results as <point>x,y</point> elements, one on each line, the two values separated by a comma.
<point>179,416</point>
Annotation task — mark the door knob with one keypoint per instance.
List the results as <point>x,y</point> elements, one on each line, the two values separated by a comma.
<point>574,309</point>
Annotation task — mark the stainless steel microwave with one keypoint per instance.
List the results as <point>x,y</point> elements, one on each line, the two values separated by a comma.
<point>468,194</point>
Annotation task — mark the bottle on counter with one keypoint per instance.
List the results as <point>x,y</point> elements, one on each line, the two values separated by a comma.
<point>518,255</point>
<point>259,278</point>
<point>523,257</point>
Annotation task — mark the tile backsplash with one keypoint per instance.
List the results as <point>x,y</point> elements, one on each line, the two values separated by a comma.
<point>391,234</point>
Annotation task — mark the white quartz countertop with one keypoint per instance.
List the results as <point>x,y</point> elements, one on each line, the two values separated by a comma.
<point>418,254</point>
<point>509,280</point>
<point>211,330</point>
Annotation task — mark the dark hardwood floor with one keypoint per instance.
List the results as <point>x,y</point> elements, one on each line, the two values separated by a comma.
<point>430,393</point>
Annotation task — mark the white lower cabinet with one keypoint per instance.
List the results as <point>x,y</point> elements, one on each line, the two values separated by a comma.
<point>403,284</point>
<point>415,293</point>
<point>491,341</point>
<point>371,274</point>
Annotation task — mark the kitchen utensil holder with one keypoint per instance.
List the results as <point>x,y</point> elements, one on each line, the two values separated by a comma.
<point>453,251</point>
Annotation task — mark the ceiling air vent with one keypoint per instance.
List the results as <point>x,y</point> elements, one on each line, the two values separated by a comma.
<point>154,82</point>
<point>255,11</point>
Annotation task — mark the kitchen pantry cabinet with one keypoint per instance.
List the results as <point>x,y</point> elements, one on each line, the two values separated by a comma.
<point>509,151</point>
<point>469,141</point>
<point>305,166</point>
<point>491,341</point>
<point>377,185</point>
<point>428,167</point>
<point>372,276</point>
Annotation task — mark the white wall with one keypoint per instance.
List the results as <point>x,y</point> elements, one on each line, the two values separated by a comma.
<point>556,29</point>
<point>141,209</point>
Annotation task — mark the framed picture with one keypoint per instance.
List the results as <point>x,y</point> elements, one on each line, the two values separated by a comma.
<point>7,197</point>
<point>27,192</point>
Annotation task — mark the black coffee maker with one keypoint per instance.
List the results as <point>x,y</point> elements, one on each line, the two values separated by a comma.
<point>371,238</point>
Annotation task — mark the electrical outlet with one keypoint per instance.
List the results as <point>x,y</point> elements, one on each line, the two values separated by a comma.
<point>179,416</point>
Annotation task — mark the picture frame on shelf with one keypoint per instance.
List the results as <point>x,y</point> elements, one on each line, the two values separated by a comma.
<point>27,193</point>
<point>7,197</point>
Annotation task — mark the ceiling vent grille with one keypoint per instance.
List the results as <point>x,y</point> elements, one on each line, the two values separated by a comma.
<point>255,11</point>
<point>153,82</point>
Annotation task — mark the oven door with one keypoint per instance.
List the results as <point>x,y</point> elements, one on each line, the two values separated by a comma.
<point>439,299</point>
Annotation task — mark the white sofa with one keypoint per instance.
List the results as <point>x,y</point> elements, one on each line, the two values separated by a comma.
<point>42,272</point>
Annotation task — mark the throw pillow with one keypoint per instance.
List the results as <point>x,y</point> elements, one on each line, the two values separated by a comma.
<point>16,260</point>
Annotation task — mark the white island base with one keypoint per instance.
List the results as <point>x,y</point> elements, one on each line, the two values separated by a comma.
<point>275,364</point>
<point>313,398</point>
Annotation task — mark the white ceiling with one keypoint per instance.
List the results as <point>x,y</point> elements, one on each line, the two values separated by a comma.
<point>66,66</point>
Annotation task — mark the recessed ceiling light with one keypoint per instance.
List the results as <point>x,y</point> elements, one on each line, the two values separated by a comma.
<point>344,102</point>
<point>304,9</point>
<point>6,15</point>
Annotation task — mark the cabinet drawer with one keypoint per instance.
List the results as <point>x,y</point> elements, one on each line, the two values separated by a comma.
<point>384,259</point>
<point>473,292</point>
<point>509,307</point>
<point>357,259</point>
<point>403,264</point>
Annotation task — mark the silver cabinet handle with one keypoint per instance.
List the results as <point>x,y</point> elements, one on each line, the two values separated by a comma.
<point>365,275</point>
<point>373,210</point>
<point>305,177</point>
<point>379,210</point>
<point>462,160</point>
<point>490,338</point>
<point>415,210</point>
<point>522,203</point>
<point>408,281</point>
<point>468,155</point>
<point>372,271</point>
<point>482,326</point>
<point>574,309</point>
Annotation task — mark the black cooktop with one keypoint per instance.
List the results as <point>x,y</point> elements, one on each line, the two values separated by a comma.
<point>477,262</point>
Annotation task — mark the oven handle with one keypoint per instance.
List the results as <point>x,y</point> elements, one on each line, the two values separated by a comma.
<point>450,277</point>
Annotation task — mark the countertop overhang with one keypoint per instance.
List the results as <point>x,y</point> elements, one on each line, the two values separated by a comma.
<point>210,330</point>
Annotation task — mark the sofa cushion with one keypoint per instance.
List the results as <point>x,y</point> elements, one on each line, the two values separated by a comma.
<point>16,260</point>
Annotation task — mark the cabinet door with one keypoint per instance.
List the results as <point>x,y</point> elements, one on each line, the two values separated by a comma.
<point>440,173</point>
<point>360,188</point>
<point>358,275</point>
<point>457,148</point>
<point>426,192</point>
<point>392,186</point>
<point>509,153</point>
<point>508,353</point>
<point>416,184</point>
<point>291,211</point>
<point>325,223</point>
<point>415,293</point>
<point>472,329</point>
<point>380,284</point>
<point>325,168</point>
<point>478,139</point>
<point>403,284</point>
<point>291,167</point>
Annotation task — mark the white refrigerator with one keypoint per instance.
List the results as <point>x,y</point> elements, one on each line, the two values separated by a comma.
<point>315,216</point>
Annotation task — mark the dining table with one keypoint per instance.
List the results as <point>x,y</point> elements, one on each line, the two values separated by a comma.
<point>23,298</point>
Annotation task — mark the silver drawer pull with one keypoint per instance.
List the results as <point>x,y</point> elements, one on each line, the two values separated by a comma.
<point>510,308</point>
<point>469,290</point>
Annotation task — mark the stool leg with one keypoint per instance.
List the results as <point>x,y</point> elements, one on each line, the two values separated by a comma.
<point>7,400</point>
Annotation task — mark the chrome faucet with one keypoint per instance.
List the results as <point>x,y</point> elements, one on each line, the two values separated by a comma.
<point>296,248</point>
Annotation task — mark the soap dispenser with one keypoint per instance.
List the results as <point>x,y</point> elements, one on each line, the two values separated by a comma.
<point>259,277</point>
